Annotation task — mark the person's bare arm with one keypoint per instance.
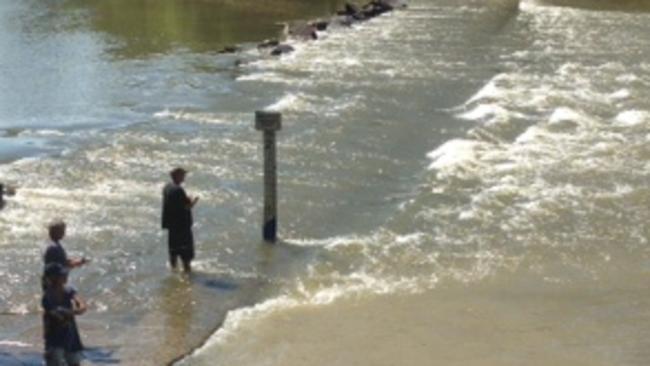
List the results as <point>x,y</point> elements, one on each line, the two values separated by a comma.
<point>78,305</point>
<point>190,202</point>
<point>77,262</point>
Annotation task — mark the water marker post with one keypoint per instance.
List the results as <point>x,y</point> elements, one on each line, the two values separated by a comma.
<point>269,122</point>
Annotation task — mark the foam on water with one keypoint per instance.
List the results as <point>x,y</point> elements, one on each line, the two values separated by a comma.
<point>310,292</point>
<point>550,182</point>
<point>632,118</point>
<point>289,102</point>
<point>380,269</point>
<point>568,121</point>
<point>196,117</point>
<point>15,344</point>
<point>453,154</point>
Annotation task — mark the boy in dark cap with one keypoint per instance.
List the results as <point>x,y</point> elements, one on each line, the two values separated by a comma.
<point>61,304</point>
<point>177,219</point>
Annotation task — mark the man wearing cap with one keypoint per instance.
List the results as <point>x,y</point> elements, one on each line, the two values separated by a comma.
<point>177,219</point>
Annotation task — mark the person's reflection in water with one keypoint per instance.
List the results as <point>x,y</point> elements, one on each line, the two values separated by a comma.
<point>177,306</point>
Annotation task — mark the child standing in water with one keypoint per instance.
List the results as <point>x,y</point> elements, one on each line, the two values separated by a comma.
<point>177,219</point>
<point>60,305</point>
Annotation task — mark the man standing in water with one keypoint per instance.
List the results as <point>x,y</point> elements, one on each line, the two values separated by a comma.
<point>177,219</point>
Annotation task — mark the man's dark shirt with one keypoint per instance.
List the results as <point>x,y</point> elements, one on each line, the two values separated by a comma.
<point>176,214</point>
<point>54,253</point>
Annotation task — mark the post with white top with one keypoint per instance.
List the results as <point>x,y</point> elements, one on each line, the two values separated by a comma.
<point>269,122</point>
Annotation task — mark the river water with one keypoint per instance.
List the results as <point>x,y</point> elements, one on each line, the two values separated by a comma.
<point>462,182</point>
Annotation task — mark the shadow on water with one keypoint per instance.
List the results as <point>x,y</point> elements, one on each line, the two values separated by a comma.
<point>138,28</point>
<point>503,14</point>
<point>283,259</point>
<point>27,358</point>
<point>497,15</point>
<point>102,356</point>
<point>280,260</point>
<point>219,284</point>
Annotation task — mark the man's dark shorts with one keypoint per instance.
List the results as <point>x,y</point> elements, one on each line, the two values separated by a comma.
<point>181,244</point>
